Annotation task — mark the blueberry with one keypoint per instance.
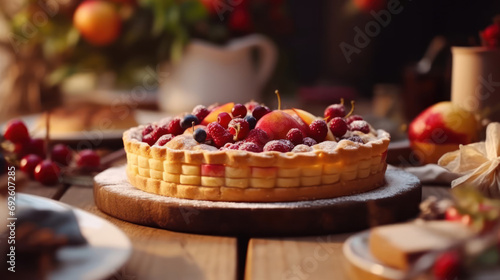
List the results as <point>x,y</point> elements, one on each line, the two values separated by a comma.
<point>251,121</point>
<point>200,135</point>
<point>188,121</point>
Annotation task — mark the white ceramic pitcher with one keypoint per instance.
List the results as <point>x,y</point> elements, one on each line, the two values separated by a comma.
<point>209,74</point>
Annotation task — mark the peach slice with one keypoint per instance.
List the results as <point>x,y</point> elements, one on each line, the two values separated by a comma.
<point>213,170</point>
<point>277,124</point>
<point>212,116</point>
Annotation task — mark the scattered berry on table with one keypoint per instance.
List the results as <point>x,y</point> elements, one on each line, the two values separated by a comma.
<point>61,154</point>
<point>47,172</point>
<point>28,164</point>
<point>88,158</point>
<point>16,131</point>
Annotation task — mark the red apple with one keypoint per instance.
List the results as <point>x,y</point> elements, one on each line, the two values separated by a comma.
<point>277,124</point>
<point>98,21</point>
<point>441,128</point>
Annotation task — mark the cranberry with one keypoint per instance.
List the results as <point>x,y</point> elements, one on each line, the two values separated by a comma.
<point>260,111</point>
<point>61,154</point>
<point>224,119</point>
<point>338,127</point>
<point>47,172</point>
<point>28,164</point>
<point>88,159</point>
<point>16,131</point>
<point>239,111</point>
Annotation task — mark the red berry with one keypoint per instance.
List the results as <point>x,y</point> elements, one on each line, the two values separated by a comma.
<point>240,20</point>
<point>148,129</point>
<point>61,154</point>
<point>164,139</point>
<point>258,136</point>
<point>362,126</point>
<point>47,172</point>
<point>318,130</point>
<point>232,146</point>
<point>295,136</point>
<point>219,134</point>
<point>309,141</point>
<point>28,164</point>
<point>239,128</point>
<point>251,147</point>
<point>149,139</point>
<point>159,131</point>
<point>491,36</point>
<point>447,266</point>
<point>88,159</point>
<point>338,127</point>
<point>224,119</point>
<point>239,111</point>
<point>260,111</point>
<point>16,131</point>
<point>333,111</point>
<point>200,112</point>
<point>37,146</point>
<point>352,118</point>
<point>278,146</point>
<point>174,126</point>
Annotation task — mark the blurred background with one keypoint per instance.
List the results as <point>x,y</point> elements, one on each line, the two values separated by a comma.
<point>394,55</point>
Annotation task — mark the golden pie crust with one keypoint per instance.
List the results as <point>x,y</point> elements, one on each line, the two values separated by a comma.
<point>184,169</point>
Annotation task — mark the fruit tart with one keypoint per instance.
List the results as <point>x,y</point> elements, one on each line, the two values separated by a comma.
<point>236,152</point>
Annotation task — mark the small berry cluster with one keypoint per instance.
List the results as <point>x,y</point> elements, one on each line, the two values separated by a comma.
<point>31,155</point>
<point>339,122</point>
<point>235,128</point>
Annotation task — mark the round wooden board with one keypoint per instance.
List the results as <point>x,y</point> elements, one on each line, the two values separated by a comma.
<point>396,201</point>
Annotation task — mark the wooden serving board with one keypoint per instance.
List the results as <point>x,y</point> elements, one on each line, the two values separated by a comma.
<point>396,201</point>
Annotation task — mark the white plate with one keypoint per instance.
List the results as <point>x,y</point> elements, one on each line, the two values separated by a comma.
<point>357,251</point>
<point>142,117</point>
<point>107,250</point>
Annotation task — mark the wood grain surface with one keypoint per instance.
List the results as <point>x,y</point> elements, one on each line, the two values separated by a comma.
<point>162,254</point>
<point>318,257</point>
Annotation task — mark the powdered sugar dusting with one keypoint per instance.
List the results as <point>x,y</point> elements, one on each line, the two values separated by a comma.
<point>397,182</point>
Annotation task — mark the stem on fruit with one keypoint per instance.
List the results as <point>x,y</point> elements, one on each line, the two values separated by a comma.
<point>237,128</point>
<point>192,125</point>
<point>341,101</point>
<point>352,109</point>
<point>279,99</point>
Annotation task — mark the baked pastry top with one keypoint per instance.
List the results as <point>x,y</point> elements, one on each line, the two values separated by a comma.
<point>183,167</point>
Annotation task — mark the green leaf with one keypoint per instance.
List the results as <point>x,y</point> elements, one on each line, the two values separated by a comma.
<point>193,11</point>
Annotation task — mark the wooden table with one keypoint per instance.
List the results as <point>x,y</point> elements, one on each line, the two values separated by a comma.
<point>163,254</point>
